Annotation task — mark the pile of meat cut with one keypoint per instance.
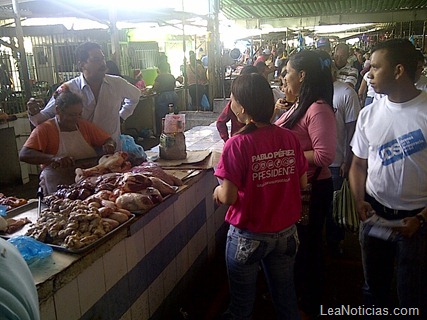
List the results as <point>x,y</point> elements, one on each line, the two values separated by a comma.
<point>134,189</point>
<point>11,202</point>
<point>102,198</point>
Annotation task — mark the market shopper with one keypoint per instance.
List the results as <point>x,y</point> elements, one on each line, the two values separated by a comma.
<point>346,73</point>
<point>312,120</point>
<point>18,293</point>
<point>347,107</point>
<point>196,80</point>
<point>228,115</point>
<point>261,192</point>
<point>107,99</point>
<point>388,177</point>
<point>284,103</point>
<point>164,86</point>
<point>58,143</point>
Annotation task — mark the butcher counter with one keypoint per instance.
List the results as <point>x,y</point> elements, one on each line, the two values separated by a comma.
<point>141,270</point>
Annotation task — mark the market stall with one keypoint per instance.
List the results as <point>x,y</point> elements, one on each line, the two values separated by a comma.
<point>144,115</point>
<point>139,268</point>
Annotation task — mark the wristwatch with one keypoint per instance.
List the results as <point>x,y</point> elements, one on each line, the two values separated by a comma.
<point>421,219</point>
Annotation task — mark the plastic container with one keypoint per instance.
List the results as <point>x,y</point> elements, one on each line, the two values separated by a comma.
<point>174,123</point>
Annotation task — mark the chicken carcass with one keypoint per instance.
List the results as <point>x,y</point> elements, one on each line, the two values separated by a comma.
<point>151,169</point>
<point>116,162</point>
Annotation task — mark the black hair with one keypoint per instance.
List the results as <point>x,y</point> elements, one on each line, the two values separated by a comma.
<point>282,67</point>
<point>317,84</point>
<point>164,67</point>
<point>112,67</point>
<point>254,93</point>
<point>65,98</point>
<point>261,66</point>
<point>248,69</point>
<point>400,51</point>
<point>82,51</point>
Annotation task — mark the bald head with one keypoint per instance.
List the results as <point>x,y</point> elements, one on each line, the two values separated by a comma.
<point>342,52</point>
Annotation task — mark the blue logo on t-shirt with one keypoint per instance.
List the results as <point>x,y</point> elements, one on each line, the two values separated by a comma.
<point>403,146</point>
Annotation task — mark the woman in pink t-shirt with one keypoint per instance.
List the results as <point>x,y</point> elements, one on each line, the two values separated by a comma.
<point>312,120</point>
<point>263,169</point>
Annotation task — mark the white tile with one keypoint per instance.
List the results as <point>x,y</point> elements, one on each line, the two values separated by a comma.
<point>91,284</point>
<point>135,249</point>
<point>152,234</point>
<point>127,315</point>
<point>67,302</point>
<point>115,266</point>
<point>47,310</point>
<point>169,277</point>
<point>199,191</point>
<point>210,226</point>
<point>210,207</point>
<point>155,294</point>
<point>167,221</point>
<point>182,263</point>
<point>197,244</point>
<point>179,210</point>
<point>212,249</point>
<point>140,309</point>
<point>219,216</point>
<point>190,198</point>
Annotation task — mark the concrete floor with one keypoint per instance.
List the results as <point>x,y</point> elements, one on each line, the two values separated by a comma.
<point>208,298</point>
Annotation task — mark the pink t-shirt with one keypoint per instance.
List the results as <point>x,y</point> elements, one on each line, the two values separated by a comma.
<point>266,166</point>
<point>316,130</point>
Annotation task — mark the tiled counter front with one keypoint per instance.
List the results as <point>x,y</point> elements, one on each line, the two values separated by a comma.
<point>140,271</point>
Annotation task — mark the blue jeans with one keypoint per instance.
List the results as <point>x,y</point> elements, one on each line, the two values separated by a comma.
<point>380,258</point>
<point>275,252</point>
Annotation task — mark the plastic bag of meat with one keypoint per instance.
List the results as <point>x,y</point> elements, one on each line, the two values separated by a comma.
<point>151,169</point>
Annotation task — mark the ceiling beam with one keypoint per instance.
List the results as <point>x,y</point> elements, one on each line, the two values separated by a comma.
<point>384,17</point>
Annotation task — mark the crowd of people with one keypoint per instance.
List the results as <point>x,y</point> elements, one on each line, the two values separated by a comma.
<point>379,146</point>
<point>314,131</point>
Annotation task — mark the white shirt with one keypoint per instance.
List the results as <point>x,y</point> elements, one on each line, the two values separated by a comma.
<point>18,293</point>
<point>117,99</point>
<point>347,74</point>
<point>392,137</point>
<point>347,106</point>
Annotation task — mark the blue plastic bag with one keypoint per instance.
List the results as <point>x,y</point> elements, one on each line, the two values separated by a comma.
<point>136,153</point>
<point>31,249</point>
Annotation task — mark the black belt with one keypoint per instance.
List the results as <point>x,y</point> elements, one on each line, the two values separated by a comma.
<point>390,214</point>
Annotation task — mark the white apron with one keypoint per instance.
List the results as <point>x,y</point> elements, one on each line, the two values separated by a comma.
<point>71,144</point>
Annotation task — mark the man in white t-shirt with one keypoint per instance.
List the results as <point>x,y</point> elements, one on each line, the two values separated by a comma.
<point>388,177</point>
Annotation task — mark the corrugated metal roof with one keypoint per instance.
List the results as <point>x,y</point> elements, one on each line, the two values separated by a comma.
<point>273,9</point>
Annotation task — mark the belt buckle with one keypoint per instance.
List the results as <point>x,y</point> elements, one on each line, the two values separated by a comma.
<point>390,211</point>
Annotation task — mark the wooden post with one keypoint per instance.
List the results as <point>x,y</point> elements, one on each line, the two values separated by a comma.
<point>23,74</point>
